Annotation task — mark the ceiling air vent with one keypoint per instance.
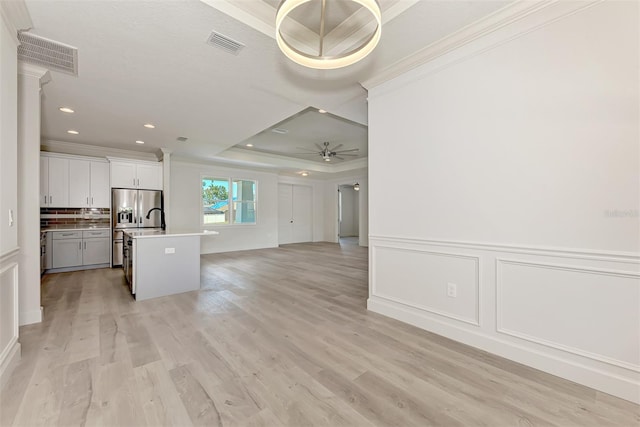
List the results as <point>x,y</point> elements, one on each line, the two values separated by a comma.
<point>48,53</point>
<point>182,139</point>
<point>224,42</point>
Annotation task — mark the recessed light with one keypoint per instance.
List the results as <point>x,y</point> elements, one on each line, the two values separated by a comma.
<point>73,132</point>
<point>249,145</point>
<point>139,142</point>
<point>149,126</point>
<point>66,110</point>
<point>280,131</point>
<point>321,111</point>
<point>304,173</point>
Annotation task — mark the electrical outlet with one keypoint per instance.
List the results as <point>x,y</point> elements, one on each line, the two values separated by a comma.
<point>169,250</point>
<point>452,290</point>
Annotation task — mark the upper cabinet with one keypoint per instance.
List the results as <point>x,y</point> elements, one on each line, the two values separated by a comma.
<point>73,182</point>
<point>54,182</point>
<point>142,175</point>
<point>88,184</point>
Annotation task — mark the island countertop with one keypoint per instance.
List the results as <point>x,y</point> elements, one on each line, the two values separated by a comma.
<point>150,234</point>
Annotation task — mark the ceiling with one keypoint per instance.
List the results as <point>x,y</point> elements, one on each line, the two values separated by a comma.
<point>148,62</point>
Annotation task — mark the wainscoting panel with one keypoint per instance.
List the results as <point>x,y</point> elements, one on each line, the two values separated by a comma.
<point>9,346</point>
<point>572,314</point>
<point>420,279</point>
<point>585,311</point>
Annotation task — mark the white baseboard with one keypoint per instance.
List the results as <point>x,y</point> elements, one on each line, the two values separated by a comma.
<point>572,370</point>
<point>9,363</point>
<point>29,317</point>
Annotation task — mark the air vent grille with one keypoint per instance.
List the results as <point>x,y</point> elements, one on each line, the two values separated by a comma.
<point>182,139</point>
<point>224,42</point>
<point>48,53</point>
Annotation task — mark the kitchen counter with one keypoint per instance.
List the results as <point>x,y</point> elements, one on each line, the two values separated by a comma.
<point>160,263</point>
<point>74,227</point>
<point>144,234</point>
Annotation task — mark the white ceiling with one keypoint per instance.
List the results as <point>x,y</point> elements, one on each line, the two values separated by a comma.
<point>147,61</point>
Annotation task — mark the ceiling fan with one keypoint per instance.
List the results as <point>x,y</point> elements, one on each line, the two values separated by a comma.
<point>329,153</point>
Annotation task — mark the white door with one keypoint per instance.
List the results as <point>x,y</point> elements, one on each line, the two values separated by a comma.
<point>302,214</point>
<point>44,181</point>
<point>149,177</point>
<point>67,253</point>
<point>123,175</point>
<point>79,183</point>
<point>95,251</point>
<point>100,185</point>
<point>58,182</point>
<point>285,214</point>
<point>295,216</point>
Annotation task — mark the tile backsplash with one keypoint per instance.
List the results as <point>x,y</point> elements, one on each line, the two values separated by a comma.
<point>85,217</point>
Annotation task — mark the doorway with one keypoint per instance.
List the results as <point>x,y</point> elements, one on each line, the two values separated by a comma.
<point>348,215</point>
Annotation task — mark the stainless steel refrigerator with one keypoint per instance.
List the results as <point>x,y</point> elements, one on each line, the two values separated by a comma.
<point>129,209</point>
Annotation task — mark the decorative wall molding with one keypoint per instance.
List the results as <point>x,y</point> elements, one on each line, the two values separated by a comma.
<point>11,351</point>
<point>518,18</point>
<point>8,255</point>
<point>16,17</point>
<point>500,262</point>
<point>618,385</point>
<point>374,291</point>
<point>632,258</point>
<point>30,70</point>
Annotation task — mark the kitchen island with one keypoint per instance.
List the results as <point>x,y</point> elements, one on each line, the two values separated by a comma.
<point>159,263</point>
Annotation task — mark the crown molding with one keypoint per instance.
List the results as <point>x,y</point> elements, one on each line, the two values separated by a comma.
<point>65,147</point>
<point>506,16</point>
<point>16,17</point>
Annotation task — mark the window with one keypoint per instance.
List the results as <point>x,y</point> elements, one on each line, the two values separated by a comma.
<point>228,201</point>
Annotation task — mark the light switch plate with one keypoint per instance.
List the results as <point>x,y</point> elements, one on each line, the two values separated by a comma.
<point>169,250</point>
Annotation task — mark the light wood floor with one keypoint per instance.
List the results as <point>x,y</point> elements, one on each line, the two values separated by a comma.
<point>275,337</point>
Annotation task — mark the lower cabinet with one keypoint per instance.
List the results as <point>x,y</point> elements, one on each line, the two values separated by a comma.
<point>79,248</point>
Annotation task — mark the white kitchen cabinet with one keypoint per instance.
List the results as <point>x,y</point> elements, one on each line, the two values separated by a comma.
<point>79,248</point>
<point>147,176</point>
<point>95,251</point>
<point>54,182</point>
<point>88,184</point>
<point>67,253</point>
<point>79,184</point>
<point>100,190</point>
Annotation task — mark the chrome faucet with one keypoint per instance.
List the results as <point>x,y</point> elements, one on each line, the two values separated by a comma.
<point>162,223</point>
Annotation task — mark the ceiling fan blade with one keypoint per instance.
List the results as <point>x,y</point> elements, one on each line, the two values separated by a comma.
<point>319,146</point>
<point>347,154</point>
<point>336,147</point>
<point>348,151</point>
<point>307,154</point>
<point>340,158</point>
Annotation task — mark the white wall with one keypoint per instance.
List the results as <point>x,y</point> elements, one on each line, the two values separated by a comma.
<point>523,147</point>
<point>9,346</point>
<point>186,204</point>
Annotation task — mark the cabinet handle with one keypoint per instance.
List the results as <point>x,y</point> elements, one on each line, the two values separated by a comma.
<point>92,201</point>
<point>80,245</point>
<point>85,245</point>
<point>87,201</point>
<point>67,234</point>
<point>138,182</point>
<point>134,182</point>
<point>45,200</point>
<point>50,199</point>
